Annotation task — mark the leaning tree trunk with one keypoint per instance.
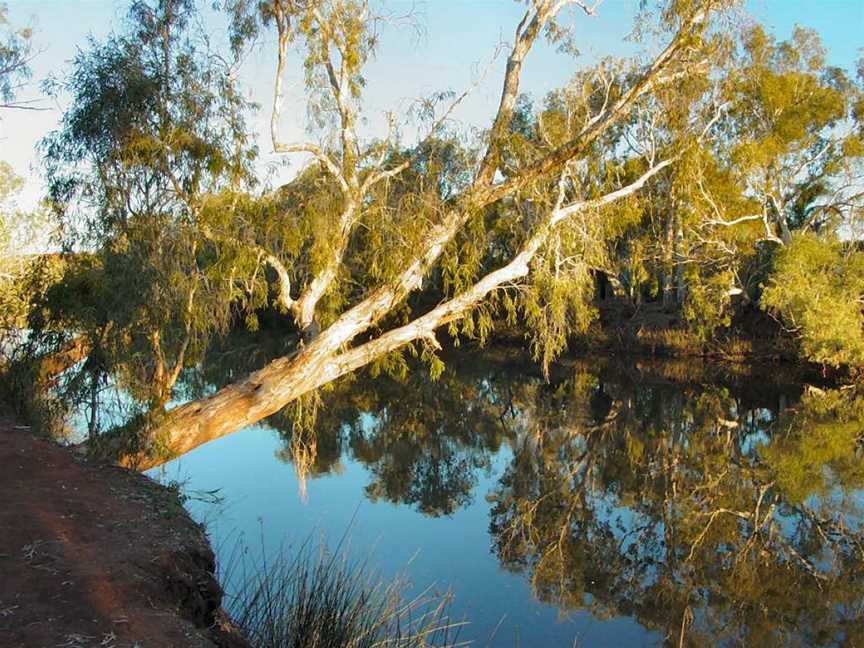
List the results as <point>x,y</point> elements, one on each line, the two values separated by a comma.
<point>325,359</point>
<point>329,355</point>
<point>234,407</point>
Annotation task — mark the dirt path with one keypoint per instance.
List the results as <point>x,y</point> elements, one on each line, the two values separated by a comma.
<point>92,555</point>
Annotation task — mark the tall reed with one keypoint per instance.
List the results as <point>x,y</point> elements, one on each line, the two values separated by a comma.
<point>314,598</point>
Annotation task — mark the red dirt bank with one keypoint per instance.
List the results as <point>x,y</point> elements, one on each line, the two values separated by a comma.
<point>93,555</point>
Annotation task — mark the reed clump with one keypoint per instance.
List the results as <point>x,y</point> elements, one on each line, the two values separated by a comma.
<point>312,598</point>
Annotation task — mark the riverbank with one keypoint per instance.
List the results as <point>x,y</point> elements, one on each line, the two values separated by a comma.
<point>649,331</point>
<point>94,555</point>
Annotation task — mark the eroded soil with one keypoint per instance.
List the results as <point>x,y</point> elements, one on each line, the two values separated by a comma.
<point>94,555</point>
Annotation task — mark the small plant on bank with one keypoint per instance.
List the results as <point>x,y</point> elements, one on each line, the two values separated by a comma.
<point>319,599</point>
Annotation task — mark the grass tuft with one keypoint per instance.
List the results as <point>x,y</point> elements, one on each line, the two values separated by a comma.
<point>318,599</point>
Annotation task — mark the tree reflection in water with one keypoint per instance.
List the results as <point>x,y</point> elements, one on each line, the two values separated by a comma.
<point>713,511</point>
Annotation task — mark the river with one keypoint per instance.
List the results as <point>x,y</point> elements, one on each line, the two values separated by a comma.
<point>618,503</point>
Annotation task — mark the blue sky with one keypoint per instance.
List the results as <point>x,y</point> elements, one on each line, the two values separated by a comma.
<point>459,37</point>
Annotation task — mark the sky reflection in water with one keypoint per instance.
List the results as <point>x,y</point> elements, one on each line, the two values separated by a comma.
<point>611,506</point>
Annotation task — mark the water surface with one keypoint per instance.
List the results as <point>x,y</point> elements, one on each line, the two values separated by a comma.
<point>619,504</point>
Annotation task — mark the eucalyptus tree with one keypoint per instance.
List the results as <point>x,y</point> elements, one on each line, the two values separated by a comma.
<point>12,303</point>
<point>16,50</point>
<point>18,227</point>
<point>797,154</point>
<point>149,153</point>
<point>817,288</point>
<point>789,157</point>
<point>23,274</point>
<point>426,231</point>
<point>786,158</point>
<point>794,142</point>
<point>788,153</point>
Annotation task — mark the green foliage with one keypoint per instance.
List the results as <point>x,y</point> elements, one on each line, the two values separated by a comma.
<point>148,175</point>
<point>817,288</point>
<point>557,305</point>
<point>15,52</point>
<point>10,184</point>
<point>152,187</point>
<point>819,448</point>
<point>786,108</point>
<point>18,230</point>
<point>23,275</point>
<point>154,125</point>
<point>782,157</point>
<point>707,307</point>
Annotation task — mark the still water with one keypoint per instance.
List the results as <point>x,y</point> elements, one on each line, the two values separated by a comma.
<point>614,504</point>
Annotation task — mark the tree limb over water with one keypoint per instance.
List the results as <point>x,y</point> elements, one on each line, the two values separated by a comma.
<point>378,244</point>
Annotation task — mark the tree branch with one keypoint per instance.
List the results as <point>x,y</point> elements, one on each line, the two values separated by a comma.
<point>588,135</point>
<point>425,325</point>
<point>370,310</point>
<point>283,28</point>
<point>526,33</point>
